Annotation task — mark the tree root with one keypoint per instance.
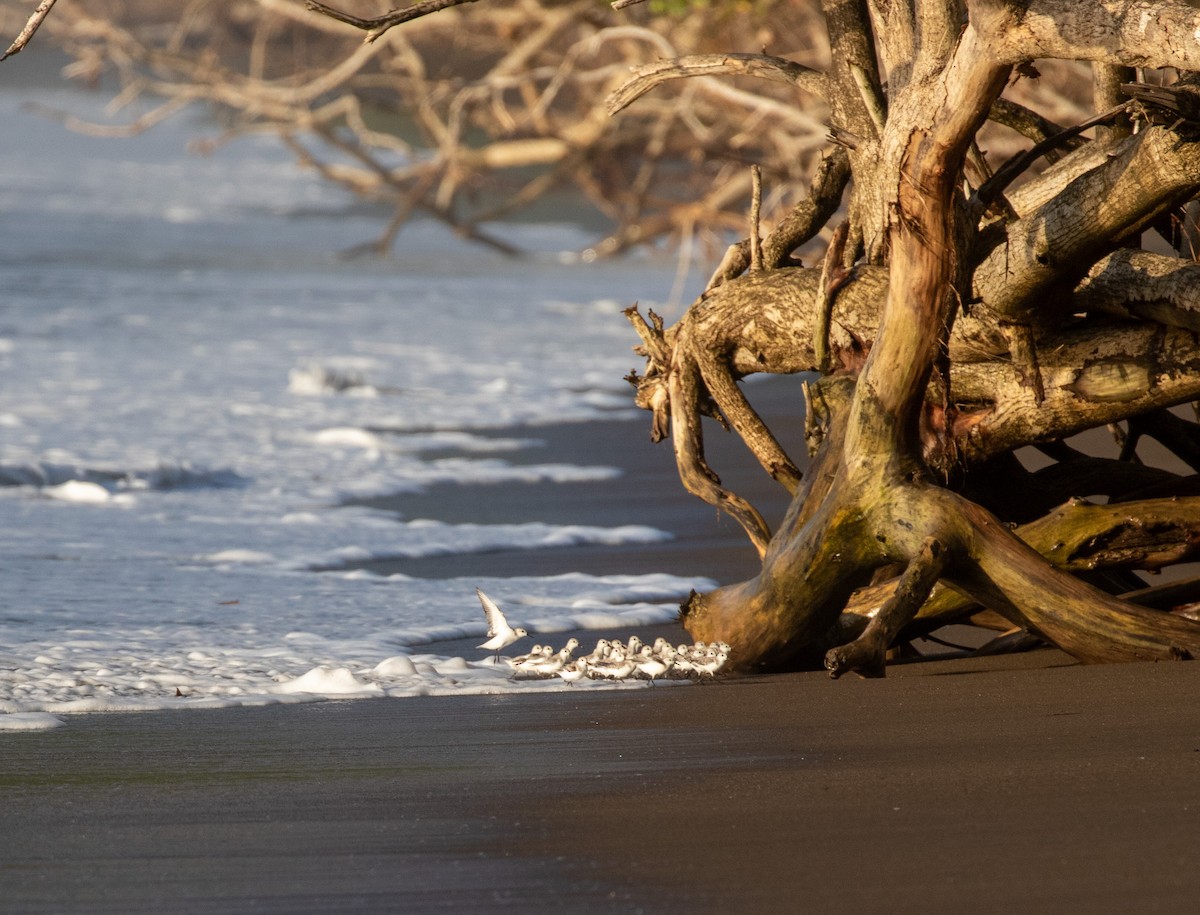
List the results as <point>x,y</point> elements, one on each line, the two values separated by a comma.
<point>791,614</point>
<point>1076,537</point>
<point>867,654</point>
<point>879,506</point>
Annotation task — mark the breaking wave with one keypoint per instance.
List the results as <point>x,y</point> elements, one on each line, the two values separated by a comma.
<point>165,476</point>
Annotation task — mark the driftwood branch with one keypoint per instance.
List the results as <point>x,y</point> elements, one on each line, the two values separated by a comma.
<point>756,254</point>
<point>528,122</point>
<point>833,276</point>
<point>866,654</point>
<point>1077,536</point>
<point>1091,30</point>
<point>1143,177</point>
<point>1012,169</point>
<point>376,26</point>
<point>31,27</point>
<point>799,225</point>
<point>763,66</point>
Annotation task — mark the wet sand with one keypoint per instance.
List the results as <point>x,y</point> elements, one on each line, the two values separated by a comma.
<point>1021,783</point>
<point>706,542</point>
<point>1012,784</point>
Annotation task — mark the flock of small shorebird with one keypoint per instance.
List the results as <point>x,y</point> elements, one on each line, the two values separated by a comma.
<point>612,659</point>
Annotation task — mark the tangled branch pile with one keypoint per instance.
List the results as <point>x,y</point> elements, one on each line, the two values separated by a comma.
<point>477,113</point>
<point>958,316</point>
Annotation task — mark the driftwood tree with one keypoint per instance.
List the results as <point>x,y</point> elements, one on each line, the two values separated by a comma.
<point>469,116</point>
<point>954,320</point>
<point>961,312</point>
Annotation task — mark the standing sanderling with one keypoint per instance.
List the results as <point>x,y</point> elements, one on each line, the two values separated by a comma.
<point>573,672</point>
<point>649,665</point>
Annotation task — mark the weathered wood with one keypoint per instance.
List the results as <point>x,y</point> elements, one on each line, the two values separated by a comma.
<point>867,653</point>
<point>762,66</point>
<point>1078,536</point>
<point>31,26</point>
<point>1058,242</point>
<point>880,507</point>
<point>1090,375</point>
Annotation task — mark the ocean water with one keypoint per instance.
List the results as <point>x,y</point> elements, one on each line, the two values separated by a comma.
<point>195,389</point>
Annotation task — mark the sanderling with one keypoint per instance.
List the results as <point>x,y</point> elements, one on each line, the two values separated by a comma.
<point>528,662</point>
<point>500,634</point>
<point>616,667</point>
<point>616,660</point>
<point>543,662</point>
<point>682,667</point>
<point>600,652</point>
<point>553,664</point>
<point>576,670</point>
<point>534,652</point>
<point>648,665</point>
<point>713,661</point>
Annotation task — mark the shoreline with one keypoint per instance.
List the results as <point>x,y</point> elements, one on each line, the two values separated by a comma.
<point>1021,782</point>
<point>704,542</point>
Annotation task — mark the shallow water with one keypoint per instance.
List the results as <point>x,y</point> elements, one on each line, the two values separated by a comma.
<point>195,388</point>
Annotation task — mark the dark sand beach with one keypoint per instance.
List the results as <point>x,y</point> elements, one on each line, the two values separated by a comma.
<point>1021,783</point>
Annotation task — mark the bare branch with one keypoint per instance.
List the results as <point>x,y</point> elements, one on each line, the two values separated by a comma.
<point>376,26</point>
<point>35,20</point>
<point>1142,177</point>
<point>866,654</point>
<point>1030,124</point>
<point>799,225</point>
<point>763,66</point>
<point>1145,286</point>
<point>833,276</point>
<point>1161,34</point>
<point>139,125</point>
<point>756,254</point>
<point>1011,169</point>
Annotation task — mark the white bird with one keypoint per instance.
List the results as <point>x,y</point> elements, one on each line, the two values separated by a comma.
<point>601,651</point>
<point>714,660</point>
<point>530,661</point>
<point>500,634</point>
<point>553,664</point>
<point>535,654</point>
<point>546,663</point>
<point>681,667</point>
<point>615,667</point>
<point>648,665</point>
<point>574,671</point>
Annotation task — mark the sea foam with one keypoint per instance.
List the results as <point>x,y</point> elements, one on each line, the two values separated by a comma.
<point>197,393</point>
